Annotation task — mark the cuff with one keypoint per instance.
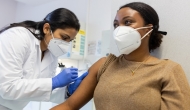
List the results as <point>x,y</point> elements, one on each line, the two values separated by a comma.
<point>67,94</point>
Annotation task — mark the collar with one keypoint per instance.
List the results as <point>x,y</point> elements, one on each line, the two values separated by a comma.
<point>47,60</point>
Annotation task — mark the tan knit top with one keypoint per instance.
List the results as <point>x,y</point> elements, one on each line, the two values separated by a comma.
<point>160,85</point>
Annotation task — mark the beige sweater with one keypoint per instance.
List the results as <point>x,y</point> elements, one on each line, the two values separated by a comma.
<point>160,85</point>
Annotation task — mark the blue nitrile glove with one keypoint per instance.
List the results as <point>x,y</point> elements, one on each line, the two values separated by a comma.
<point>67,76</point>
<point>72,87</point>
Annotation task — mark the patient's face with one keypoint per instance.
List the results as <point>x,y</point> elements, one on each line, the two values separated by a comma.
<point>129,17</point>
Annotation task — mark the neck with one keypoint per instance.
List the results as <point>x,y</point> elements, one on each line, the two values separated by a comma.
<point>137,56</point>
<point>43,46</point>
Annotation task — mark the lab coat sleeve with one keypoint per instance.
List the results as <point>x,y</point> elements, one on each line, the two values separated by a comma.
<point>175,91</point>
<point>14,46</point>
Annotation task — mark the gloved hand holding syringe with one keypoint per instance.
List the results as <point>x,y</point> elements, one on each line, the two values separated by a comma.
<point>69,77</point>
<point>73,86</point>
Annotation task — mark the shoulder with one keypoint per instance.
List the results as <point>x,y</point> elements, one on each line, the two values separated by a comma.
<point>17,38</point>
<point>101,64</point>
<point>18,28</point>
<point>17,32</point>
<point>169,63</point>
<point>104,60</point>
<point>175,66</point>
<point>172,69</point>
<point>97,64</point>
<point>17,35</point>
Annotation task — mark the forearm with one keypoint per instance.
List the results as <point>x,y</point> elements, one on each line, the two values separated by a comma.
<point>26,89</point>
<point>63,106</point>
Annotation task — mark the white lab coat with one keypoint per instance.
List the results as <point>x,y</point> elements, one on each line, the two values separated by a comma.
<point>23,76</point>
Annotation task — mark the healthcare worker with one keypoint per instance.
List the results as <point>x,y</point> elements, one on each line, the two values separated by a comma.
<point>29,54</point>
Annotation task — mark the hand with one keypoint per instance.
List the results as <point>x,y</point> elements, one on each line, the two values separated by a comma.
<point>72,87</point>
<point>67,76</point>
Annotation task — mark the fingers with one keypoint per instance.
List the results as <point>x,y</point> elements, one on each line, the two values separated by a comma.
<point>74,69</point>
<point>75,79</point>
<point>74,72</point>
<point>74,76</point>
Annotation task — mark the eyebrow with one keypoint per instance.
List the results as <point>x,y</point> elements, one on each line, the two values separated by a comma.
<point>67,36</point>
<point>123,18</point>
<point>126,17</point>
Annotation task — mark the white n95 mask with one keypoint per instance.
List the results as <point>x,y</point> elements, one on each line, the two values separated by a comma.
<point>128,39</point>
<point>58,47</point>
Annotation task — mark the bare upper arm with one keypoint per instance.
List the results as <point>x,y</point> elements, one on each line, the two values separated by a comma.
<point>85,91</point>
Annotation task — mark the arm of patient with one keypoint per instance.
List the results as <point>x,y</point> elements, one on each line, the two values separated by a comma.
<point>84,92</point>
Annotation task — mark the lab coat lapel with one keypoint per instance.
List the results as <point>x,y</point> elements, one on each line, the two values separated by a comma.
<point>47,60</point>
<point>38,58</point>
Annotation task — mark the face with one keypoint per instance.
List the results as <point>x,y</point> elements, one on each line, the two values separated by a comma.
<point>129,17</point>
<point>67,34</point>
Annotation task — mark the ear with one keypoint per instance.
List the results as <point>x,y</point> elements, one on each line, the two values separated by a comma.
<point>46,29</point>
<point>148,29</point>
<point>149,25</point>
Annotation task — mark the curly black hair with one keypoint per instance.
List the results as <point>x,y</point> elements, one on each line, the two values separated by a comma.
<point>150,17</point>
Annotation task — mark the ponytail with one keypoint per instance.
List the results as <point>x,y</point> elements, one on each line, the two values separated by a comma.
<point>36,28</point>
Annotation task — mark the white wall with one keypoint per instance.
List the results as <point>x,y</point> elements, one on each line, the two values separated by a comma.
<point>7,12</point>
<point>34,2</point>
<point>174,18</point>
<point>37,13</point>
<point>99,19</point>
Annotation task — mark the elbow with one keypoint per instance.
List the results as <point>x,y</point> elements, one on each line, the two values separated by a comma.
<point>7,92</point>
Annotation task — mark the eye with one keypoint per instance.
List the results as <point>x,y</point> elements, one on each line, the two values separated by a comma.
<point>65,37</point>
<point>115,25</point>
<point>128,22</point>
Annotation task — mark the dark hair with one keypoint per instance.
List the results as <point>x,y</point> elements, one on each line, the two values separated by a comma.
<point>60,18</point>
<point>150,17</point>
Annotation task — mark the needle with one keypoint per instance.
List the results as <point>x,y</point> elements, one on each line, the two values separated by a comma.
<point>80,70</point>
